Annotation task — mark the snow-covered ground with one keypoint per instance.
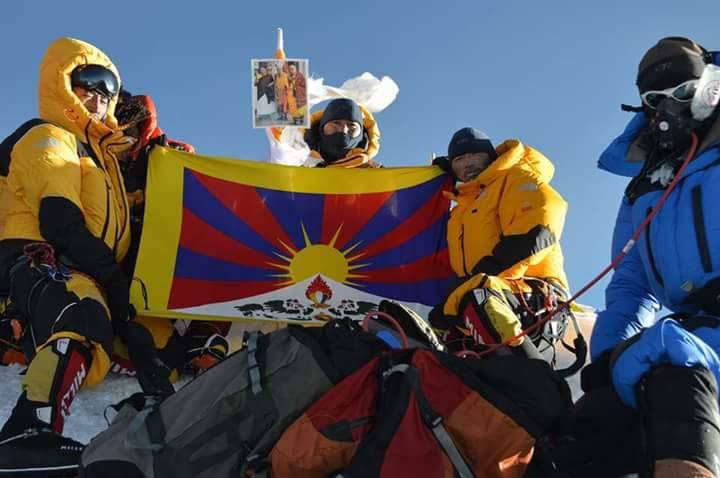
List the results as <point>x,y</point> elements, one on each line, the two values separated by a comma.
<point>87,418</point>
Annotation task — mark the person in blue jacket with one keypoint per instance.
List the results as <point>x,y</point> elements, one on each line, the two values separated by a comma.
<point>651,401</point>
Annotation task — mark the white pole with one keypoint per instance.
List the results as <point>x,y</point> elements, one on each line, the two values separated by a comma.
<point>280,41</point>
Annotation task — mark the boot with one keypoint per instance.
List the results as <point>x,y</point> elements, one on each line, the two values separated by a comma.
<point>152,373</point>
<point>38,452</point>
<point>212,352</point>
<point>31,444</point>
<point>205,344</point>
<point>29,447</point>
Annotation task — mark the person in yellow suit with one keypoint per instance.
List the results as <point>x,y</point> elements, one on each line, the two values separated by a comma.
<point>283,92</point>
<point>503,240</point>
<point>66,231</point>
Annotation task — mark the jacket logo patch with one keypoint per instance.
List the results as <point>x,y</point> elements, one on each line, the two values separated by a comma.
<point>528,187</point>
<point>71,115</point>
<point>526,206</point>
<point>47,143</point>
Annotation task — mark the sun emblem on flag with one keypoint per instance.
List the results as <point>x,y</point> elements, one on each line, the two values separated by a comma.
<point>324,259</point>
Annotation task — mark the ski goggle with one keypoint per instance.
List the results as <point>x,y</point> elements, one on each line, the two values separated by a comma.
<point>96,78</point>
<point>683,92</point>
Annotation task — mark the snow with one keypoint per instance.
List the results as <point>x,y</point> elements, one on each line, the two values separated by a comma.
<point>86,419</point>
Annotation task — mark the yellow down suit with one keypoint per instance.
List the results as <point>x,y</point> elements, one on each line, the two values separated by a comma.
<point>65,189</point>
<point>506,227</point>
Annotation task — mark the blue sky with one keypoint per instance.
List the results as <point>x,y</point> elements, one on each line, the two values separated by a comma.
<point>551,74</point>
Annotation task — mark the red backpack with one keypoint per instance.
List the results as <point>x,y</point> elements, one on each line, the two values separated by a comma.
<point>423,413</point>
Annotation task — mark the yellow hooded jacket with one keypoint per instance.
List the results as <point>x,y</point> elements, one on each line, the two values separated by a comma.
<point>507,222</point>
<point>358,157</point>
<point>51,162</point>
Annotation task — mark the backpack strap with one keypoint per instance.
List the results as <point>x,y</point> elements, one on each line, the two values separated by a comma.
<point>253,365</point>
<point>398,380</point>
<point>435,423</point>
<point>149,418</point>
<point>393,398</point>
<point>156,427</point>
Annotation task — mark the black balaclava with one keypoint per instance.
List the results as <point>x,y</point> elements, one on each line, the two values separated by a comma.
<point>671,62</point>
<point>338,145</point>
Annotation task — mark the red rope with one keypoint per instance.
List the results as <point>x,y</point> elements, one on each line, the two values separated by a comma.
<point>626,248</point>
<point>40,253</point>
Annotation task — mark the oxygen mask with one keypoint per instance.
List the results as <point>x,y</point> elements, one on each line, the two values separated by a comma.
<point>671,124</point>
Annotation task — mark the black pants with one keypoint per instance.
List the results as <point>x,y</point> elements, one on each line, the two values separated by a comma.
<point>51,307</point>
<point>677,417</point>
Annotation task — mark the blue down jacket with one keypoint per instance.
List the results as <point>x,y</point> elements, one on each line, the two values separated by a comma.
<point>678,253</point>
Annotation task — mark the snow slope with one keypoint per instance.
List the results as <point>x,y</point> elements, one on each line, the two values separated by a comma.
<point>86,419</point>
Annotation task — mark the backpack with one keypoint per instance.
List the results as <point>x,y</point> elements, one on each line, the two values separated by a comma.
<point>424,413</point>
<point>225,422</point>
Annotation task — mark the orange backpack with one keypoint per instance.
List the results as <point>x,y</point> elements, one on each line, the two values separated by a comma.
<point>424,413</point>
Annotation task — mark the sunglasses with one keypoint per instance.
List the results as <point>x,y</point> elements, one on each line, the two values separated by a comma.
<point>96,78</point>
<point>683,92</point>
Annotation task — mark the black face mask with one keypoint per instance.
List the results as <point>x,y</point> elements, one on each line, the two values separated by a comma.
<point>337,145</point>
<point>671,125</point>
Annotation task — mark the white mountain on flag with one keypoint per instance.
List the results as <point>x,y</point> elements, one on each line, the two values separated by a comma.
<point>315,299</point>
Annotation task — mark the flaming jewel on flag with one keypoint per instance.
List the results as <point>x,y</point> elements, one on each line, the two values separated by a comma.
<point>319,292</point>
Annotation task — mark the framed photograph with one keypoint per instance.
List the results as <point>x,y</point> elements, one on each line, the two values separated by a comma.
<point>279,93</point>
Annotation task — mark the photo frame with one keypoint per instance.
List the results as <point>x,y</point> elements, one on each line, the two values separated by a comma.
<point>279,93</point>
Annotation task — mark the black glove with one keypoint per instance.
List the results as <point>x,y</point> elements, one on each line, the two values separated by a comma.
<point>597,373</point>
<point>436,317</point>
<point>117,291</point>
<point>488,265</point>
<point>443,162</point>
<point>439,321</point>
<point>160,140</point>
<point>152,373</point>
<point>142,158</point>
<point>707,297</point>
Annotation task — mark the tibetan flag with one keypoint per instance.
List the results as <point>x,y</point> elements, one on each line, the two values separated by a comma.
<point>229,239</point>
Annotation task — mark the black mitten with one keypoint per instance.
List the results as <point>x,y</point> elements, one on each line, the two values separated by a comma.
<point>597,373</point>
<point>117,291</point>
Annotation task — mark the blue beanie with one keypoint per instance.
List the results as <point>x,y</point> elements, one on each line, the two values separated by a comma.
<point>470,140</point>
